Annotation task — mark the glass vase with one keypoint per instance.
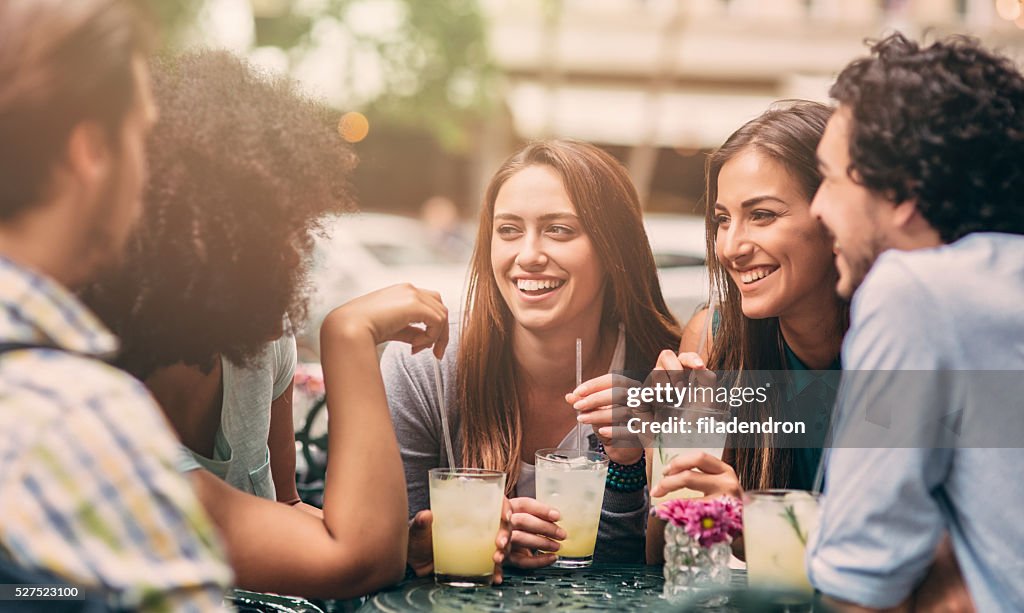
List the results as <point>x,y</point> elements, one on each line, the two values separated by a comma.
<point>689,567</point>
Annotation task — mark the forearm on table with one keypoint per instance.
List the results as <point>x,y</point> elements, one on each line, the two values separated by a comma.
<point>655,553</point>
<point>365,496</point>
<point>281,445</point>
<point>840,606</point>
<point>276,548</point>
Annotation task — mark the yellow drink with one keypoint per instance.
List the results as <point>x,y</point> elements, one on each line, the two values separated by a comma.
<point>573,483</point>
<point>776,527</point>
<point>699,436</point>
<point>460,553</point>
<point>466,504</point>
<point>581,537</point>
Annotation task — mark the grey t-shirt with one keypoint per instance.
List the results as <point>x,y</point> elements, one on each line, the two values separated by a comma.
<point>409,381</point>
<point>241,456</point>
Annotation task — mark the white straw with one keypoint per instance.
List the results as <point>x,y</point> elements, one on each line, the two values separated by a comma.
<point>819,474</point>
<point>444,414</point>
<point>579,381</point>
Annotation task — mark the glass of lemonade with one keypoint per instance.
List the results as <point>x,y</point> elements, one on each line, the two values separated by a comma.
<point>776,527</point>
<point>466,503</point>
<point>572,481</point>
<point>668,446</point>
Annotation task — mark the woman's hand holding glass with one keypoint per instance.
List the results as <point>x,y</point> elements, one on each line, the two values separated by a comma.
<point>694,470</point>
<point>421,543</point>
<point>534,531</point>
<point>712,476</point>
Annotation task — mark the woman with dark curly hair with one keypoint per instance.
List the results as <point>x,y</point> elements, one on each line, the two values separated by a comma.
<point>205,299</point>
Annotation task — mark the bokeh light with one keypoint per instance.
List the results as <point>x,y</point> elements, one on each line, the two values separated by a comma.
<point>1009,10</point>
<point>353,126</point>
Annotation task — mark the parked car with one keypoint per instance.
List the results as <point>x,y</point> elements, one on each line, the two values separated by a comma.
<point>364,252</point>
<point>678,244</point>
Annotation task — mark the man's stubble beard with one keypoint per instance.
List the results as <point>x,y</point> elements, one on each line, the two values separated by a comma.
<point>103,242</point>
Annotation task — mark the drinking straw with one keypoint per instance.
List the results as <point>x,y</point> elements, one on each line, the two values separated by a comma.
<point>705,332</point>
<point>444,413</point>
<point>819,475</point>
<point>579,381</point>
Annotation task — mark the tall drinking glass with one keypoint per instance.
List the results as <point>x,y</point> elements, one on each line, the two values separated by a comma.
<point>776,527</point>
<point>572,481</point>
<point>466,503</point>
<point>700,437</point>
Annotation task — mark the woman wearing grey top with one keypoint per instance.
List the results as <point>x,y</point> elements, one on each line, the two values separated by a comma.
<point>561,254</point>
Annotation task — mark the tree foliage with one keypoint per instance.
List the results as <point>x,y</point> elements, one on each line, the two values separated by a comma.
<point>434,67</point>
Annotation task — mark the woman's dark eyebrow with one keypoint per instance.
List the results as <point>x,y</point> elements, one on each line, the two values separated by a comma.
<point>545,217</point>
<point>551,216</point>
<point>749,202</point>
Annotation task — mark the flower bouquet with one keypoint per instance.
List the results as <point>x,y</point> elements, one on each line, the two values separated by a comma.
<point>697,539</point>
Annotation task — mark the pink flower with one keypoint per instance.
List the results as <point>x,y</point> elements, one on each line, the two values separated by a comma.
<point>707,521</point>
<point>309,379</point>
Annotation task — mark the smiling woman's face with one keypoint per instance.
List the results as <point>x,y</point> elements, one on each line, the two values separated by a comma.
<point>543,260</point>
<point>775,251</point>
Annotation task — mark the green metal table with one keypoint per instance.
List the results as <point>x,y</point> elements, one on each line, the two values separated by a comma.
<point>604,587</point>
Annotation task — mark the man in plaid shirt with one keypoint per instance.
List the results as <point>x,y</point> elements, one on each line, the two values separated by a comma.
<point>88,486</point>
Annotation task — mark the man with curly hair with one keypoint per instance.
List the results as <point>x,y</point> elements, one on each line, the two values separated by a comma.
<point>243,168</point>
<point>89,488</point>
<point>923,181</point>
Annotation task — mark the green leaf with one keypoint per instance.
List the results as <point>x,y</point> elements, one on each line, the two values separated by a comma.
<point>790,516</point>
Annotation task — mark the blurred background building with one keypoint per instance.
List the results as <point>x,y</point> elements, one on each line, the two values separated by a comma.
<point>434,94</point>
<point>659,82</point>
<point>449,87</point>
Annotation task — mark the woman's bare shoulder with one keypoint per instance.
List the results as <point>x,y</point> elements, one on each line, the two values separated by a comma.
<point>692,332</point>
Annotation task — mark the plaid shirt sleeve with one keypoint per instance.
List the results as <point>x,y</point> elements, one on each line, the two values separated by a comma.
<point>94,496</point>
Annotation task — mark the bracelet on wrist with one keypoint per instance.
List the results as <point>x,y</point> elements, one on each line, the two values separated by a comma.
<point>626,477</point>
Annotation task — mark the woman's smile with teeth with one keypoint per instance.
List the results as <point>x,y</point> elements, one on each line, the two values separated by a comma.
<point>530,285</point>
<point>756,274</point>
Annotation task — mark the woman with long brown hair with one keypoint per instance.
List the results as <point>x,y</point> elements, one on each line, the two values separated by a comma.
<point>561,254</point>
<point>771,262</point>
